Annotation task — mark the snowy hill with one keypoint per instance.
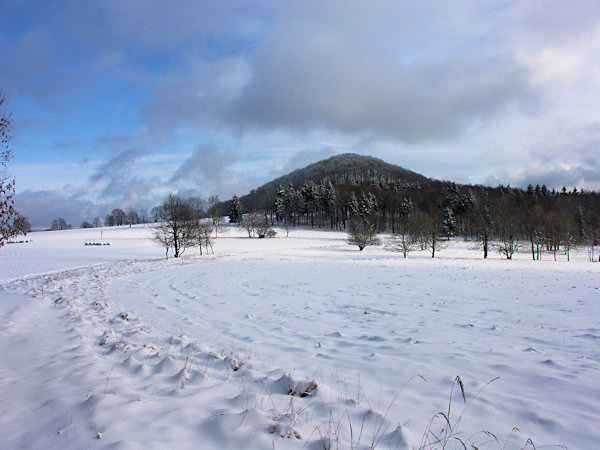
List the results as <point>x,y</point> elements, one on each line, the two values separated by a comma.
<point>337,168</point>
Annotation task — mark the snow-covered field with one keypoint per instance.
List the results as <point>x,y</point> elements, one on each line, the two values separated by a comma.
<point>299,342</point>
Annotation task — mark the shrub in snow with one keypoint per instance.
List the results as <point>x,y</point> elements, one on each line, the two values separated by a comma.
<point>362,233</point>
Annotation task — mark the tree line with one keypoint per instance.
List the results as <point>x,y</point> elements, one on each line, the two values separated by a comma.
<point>420,215</point>
<point>426,214</point>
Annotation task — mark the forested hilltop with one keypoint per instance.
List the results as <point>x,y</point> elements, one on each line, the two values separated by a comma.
<point>330,193</point>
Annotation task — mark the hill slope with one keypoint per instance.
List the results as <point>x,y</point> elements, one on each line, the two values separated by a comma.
<point>339,168</point>
<point>344,165</point>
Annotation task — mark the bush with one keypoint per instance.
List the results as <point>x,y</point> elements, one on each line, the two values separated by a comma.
<point>362,233</point>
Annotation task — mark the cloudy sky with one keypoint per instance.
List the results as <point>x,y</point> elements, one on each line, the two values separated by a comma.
<point>116,103</point>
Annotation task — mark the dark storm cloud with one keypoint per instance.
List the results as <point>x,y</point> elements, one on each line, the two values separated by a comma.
<point>125,184</point>
<point>130,192</point>
<point>118,166</point>
<point>207,162</point>
<point>197,99</point>
<point>329,71</point>
<point>364,94</point>
<point>390,70</point>
<point>211,171</point>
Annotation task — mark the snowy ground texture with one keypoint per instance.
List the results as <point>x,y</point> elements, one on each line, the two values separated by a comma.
<point>299,342</point>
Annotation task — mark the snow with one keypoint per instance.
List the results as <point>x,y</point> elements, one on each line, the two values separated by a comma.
<point>292,343</point>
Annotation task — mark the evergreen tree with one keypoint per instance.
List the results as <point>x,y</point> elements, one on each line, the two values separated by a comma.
<point>367,204</point>
<point>449,224</point>
<point>297,205</point>
<point>235,211</point>
<point>353,206</point>
<point>401,186</point>
<point>373,204</point>
<point>406,207</point>
<point>327,199</point>
<point>310,194</point>
<point>280,204</point>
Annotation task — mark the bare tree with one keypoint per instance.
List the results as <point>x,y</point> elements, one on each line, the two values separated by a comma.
<point>591,239</point>
<point>7,184</point>
<point>155,213</point>
<point>161,234</point>
<point>507,242</point>
<point>132,217</point>
<point>119,216</point>
<point>143,216</point>
<point>534,226</point>
<point>403,242</point>
<point>251,222</point>
<point>176,229</point>
<point>203,235</point>
<point>20,225</point>
<point>508,229</point>
<point>483,225</point>
<point>257,224</point>
<point>263,229</point>
<point>214,206</point>
<point>60,224</point>
<point>569,240</point>
<point>218,225</point>
<point>427,230</point>
<point>362,233</point>
<point>109,220</point>
<point>288,225</point>
<point>565,235</point>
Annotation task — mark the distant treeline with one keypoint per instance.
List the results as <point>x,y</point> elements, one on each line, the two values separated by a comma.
<point>427,210</point>
<point>549,220</point>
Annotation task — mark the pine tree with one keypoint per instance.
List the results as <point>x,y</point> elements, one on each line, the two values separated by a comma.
<point>365,207</point>
<point>328,197</point>
<point>235,211</point>
<point>353,206</point>
<point>310,193</point>
<point>449,224</point>
<point>406,207</point>
<point>280,207</point>
<point>373,204</point>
